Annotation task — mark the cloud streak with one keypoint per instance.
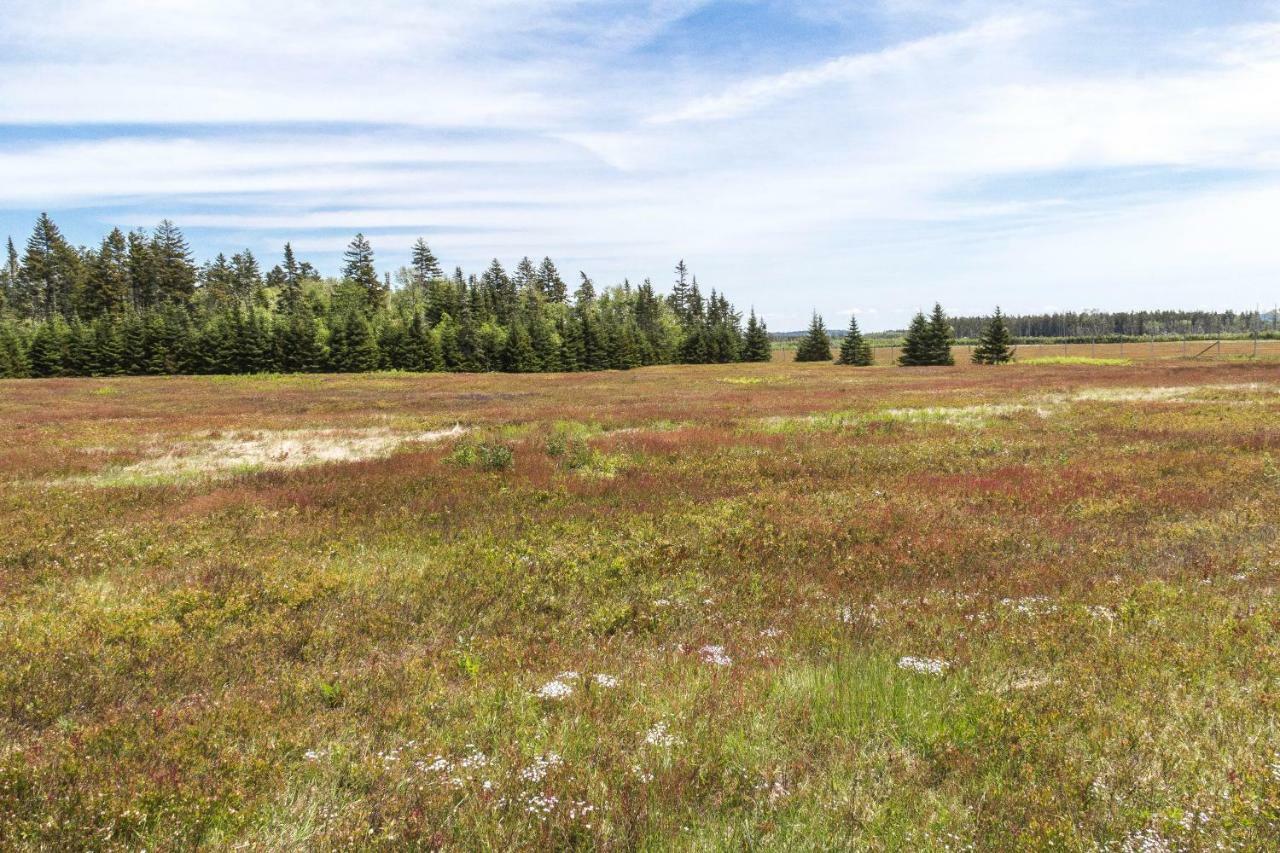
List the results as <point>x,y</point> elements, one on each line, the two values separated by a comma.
<point>972,152</point>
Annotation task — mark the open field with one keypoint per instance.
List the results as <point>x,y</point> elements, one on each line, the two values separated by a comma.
<point>768,606</point>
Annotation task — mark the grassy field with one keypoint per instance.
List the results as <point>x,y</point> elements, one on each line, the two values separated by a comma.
<point>735,607</point>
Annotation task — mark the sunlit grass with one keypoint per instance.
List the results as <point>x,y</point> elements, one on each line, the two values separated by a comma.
<point>973,608</point>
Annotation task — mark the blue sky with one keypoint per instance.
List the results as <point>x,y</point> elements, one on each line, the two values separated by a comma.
<point>870,157</point>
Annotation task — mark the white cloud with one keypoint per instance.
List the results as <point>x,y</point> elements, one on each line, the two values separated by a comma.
<point>945,162</point>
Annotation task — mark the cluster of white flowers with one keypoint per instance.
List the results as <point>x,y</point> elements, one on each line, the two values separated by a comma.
<point>715,655</point>
<point>391,756</point>
<point>1147,841</point>
<point>1100,611</point>
<point>662,602</point>
<point>568,675</point>
<point>606,681</point>
<point>537,771</point>
<point>640,773</point>
<point>555,690</point>
<point>1031,605</point>
<point>315,754</point>
<point>771,633</point>
<point>926,666</point>
<point>543,805</point>
<point>659,735</point>
<point>455,774</point>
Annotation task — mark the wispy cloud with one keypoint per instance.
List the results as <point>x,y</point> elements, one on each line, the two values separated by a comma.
<point>1088,153</point>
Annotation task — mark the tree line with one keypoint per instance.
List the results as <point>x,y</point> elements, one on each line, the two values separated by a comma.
<point>1101,325</point>
<point>138,303</point>
<point>928,342</point>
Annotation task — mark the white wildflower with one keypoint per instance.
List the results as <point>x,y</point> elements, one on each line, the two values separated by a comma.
<point>605,680</point>
<point>926,666</point>
<point>537,771</point>
<point>555,690</point>
<point>771,633</point>
<point>659,735</point>
<point>715,655</point>
<point>568,675</point>
<point>1147,841</point>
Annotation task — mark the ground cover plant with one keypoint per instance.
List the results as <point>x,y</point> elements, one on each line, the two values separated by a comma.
<point>766,606</point>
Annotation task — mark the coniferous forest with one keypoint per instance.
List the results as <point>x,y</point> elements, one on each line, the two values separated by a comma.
<point>138,303</point>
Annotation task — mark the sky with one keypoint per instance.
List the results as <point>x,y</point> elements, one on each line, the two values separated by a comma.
<point>864,158</point>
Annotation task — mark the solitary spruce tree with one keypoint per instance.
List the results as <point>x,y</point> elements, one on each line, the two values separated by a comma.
<point>854,349</point>
<point>996,344</point>
<point>941,337</point>
<point>915,349</point>
<point>815,346</point>
<point>756,346</point>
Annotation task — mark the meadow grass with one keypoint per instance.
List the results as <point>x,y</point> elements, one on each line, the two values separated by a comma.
<point>889,609</point>
<point>1076,359</point>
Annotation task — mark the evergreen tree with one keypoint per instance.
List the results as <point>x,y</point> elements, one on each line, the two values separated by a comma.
<point>425,266</point>
<point>854,349</point>
<point>586,292</point>
<point>106,283</point>
<point>13,360</point>
<point>940,338</point>
<point>172,269</point>
<point>107,347</point>
<point>290,296</point>
<point>9,283</point>
<point>246,279</point>
<point>518,355</point>
<point>525,276</point>
<point>815,346</point>
<point>996,344</point>
<point>550,282</point>
<point>47,277</point>
<point>756,346</point>
<point>45,356</point>
<point>915,349</point>
<point>358,269</point>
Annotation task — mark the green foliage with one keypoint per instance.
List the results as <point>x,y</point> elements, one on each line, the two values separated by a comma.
<point>756,345</point>
<point>928,341</point>
<point>996,344</point>
<point>854,349</point>
<point>487,455</point>
<point>138,304</point>
<point>816,345</point>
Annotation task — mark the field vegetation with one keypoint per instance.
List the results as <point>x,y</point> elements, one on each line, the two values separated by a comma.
<point>744,606</point>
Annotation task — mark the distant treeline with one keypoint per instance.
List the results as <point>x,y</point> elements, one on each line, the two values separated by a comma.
<point>1104,327</point>
<point>139,304</point>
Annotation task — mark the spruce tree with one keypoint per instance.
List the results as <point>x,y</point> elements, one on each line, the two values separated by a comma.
<point>915,349</point>
<point>551,284</point>
<point>45,357</point>
<point>425,266</point>
<point>172,268</point>
<point>357,268</point>
<point>940,338</point>
<point>756,345</point>
<point>854,349</point>
<point>107,347</point>
<point>518,355</point>
<point>996,344</point>
<point>106,282</point>
<point>815,345</point>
